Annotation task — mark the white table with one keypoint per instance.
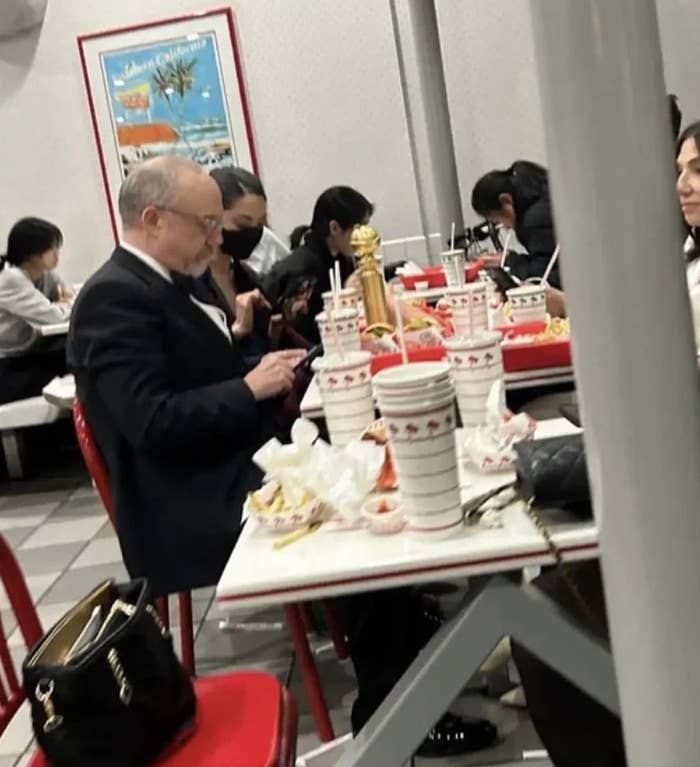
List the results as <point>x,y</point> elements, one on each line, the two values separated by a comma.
<point>60,391</point>
<point>330,563</point>
<point>57,329</point>
<point>312,406</point>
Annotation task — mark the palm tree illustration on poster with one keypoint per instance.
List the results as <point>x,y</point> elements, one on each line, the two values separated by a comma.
<point>169,98</point>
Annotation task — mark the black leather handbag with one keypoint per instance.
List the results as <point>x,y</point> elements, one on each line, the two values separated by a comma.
<point>552,472</point>
<point>116,697</point>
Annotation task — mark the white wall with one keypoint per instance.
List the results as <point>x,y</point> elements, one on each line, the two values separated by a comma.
<point>325,99</point>
<point>679,24</point>
<point>488,55</point>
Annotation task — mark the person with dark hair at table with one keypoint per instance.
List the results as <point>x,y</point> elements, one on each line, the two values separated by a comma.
<point>302,277</point>
<point>31,295</point>
<point>518,199</point>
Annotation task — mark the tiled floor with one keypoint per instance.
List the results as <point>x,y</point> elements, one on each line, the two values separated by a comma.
<point>66,546</point>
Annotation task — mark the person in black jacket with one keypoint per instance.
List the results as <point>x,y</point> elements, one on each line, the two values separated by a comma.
<point>298,281</point>
<point>175,410</point>
<point>518,199</point>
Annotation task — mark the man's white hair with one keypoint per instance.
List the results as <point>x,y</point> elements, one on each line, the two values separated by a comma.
<point>154,182</point>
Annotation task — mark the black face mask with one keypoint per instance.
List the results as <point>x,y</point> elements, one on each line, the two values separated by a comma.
<point>240,243</point>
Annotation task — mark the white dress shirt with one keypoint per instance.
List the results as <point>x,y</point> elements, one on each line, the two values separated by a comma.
<point>216,315</point>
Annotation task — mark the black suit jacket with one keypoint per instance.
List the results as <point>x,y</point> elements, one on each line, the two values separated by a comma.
<point>163,391</point>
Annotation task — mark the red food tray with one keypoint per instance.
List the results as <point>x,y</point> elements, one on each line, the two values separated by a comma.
<point>435,276</point>
<point>549,354</point>
<point>428,354</point>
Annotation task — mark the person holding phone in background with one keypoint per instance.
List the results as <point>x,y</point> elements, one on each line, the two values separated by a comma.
<point>301,279</point>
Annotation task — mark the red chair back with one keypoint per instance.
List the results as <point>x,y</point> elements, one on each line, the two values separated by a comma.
<point>93,460</point>
<point>11,692</point>
<point>100,478</point>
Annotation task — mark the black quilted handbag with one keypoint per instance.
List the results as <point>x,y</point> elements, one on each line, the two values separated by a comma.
<point>119,701</point>
<point>552,472</point>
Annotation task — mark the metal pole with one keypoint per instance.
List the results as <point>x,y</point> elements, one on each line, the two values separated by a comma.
<point>609,149</point>
<point>423,44</point>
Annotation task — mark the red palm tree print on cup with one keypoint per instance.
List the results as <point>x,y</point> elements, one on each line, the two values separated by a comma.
<point>489,358</point>
<point>349,379</point>
<point>473,360</point>
<point>412,429</point>
<point>433,426</point>
<point>393,428</point>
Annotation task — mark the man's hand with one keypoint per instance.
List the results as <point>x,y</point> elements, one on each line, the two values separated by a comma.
<point>246,304</point>
<point>274,375</point>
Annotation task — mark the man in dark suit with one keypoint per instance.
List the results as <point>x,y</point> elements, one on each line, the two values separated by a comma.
<point>176,412</point>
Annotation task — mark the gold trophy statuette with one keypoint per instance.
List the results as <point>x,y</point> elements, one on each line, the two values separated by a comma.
<point>365,241</point>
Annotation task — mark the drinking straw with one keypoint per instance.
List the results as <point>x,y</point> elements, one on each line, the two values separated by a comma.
<point>550,265</point>
<point>338,281</point>
<point>452,237</point>
<point>399,328</point>
<point>504,256</point>
<point>334,291</point>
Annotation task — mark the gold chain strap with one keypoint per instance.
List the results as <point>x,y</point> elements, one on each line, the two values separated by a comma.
<point>562,566</point>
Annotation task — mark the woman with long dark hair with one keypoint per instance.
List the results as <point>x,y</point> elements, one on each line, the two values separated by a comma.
<point>518,199</point>
<point>302,277</point>
<point>31,295</point>
<point>688,188</point>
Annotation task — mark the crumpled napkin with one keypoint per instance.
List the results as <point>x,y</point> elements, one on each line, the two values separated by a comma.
<point>490,447</point>
<point>341,477</point>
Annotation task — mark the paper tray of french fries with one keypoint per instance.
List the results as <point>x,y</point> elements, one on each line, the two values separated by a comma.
<point>309,480</point>
<point>550,347</point>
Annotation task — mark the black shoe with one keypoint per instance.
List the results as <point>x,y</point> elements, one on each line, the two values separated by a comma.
<point>453,736</point>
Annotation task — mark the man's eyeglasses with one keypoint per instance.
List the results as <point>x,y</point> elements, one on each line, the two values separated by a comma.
<point>208,224</point>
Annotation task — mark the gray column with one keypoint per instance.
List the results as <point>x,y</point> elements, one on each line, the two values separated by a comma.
<point>609,151</point>
<point>427,116</point>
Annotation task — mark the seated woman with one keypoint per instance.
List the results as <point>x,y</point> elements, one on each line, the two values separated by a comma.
<point>688,188</point>
<point>299,280</point>
<point>239,286</point>
<point>30,295</point>
<point>518,199</point>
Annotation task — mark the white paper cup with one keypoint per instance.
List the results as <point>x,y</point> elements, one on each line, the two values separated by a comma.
<point>435,526</point>
<point>469,305</point>
<point>346,393</point>
<point>347,299</point>
<point>415,484</point>
<point>453,262</point>
<point>476,365</point>
<point>422,439</point>
<point>347,330</point>
<point>529,303</point>
<point>412,375</point>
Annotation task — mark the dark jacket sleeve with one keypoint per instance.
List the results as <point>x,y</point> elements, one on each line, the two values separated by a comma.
<point>537,236</point>
<point>117,347</point>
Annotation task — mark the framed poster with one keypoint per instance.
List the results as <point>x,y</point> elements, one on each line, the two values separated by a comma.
<point>166,87</point>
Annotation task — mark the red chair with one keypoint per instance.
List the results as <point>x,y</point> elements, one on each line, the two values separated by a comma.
<point>98,472</point>
<point>246,719</point>
<point>298,617</point>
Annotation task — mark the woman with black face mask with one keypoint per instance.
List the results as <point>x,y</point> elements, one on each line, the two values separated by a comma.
<point>236,286</point>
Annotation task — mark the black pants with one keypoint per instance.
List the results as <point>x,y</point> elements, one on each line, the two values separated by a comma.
<point>576,730</point>
<point>26,375</point>
<point>385,630</point>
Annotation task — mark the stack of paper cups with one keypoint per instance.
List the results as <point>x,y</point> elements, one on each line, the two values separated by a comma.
<point>469,308</point>
<point>476,364</point>
<point>346,392</point>
<point>346,332</point>
<point>417,402</point>
<point>453,263</point>
<point>347,299</point>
